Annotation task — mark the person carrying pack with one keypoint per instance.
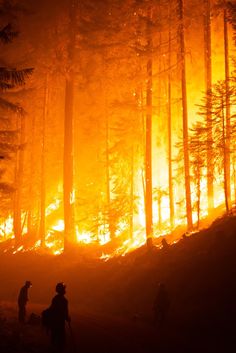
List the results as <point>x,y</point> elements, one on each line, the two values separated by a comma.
<point>54,318</point>
<point>46,319</point>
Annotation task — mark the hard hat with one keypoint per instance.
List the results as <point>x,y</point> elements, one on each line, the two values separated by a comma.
<point>28,283</point>
<point>61,288</point>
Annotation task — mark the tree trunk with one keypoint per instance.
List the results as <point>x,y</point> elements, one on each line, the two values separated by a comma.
<point>225,157</point>
<point>143,123</point>
<point>198,197</point>
<point>185,117</point>
<point>19,181</point>
<point>43,195</point>
<point>208,82</point>
<point>148,152</point>
<point>32,178</point>
<point>69,231</point>
<point>131,212</point>
<point>234,175</point>
<point>227,102</point>
<point>108,185</point>
<point>198,183</point>
<point>170,170</point>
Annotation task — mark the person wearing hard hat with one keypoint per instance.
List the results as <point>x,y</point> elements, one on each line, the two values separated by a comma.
<point>59,313</point>
<point>22,301</point>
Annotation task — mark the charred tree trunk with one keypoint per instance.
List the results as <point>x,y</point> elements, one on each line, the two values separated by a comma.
<point>148,152</point>
<point>17,224</point>
<point>143,122</point>
<point>234,173</point>
<point>68,164</point>
<point>198,183</point>
<point>185,116</point>
<point>32,178</point>
<point>69,231</point>
<point>131,215</point>
<point>208,81</point>
<point>227,103</point>
<point>198,197</point>
<point>170,169</point>
<point>43,192</point>
<point>224,156</point>
<point>108,185</point>
<point>108,216</point>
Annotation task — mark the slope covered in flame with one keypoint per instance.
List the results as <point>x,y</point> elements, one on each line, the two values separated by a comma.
<point>123,243</point>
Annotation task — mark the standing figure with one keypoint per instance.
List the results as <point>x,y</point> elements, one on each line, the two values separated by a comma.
<point>22,301</point>
<point>59,314</point>
<point>161,305</point>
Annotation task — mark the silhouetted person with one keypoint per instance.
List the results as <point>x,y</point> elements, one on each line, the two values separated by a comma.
<point>161,305</point>
<point>59,312</point>
<point>22,301</point>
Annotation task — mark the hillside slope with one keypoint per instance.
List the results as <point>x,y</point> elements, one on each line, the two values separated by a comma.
<point>199,273</point>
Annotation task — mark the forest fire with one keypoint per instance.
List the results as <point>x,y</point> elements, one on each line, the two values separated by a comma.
<point>119,152</point>
<point>117,176</point>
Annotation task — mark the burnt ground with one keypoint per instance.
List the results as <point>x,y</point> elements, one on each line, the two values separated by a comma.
<point>111,303</point>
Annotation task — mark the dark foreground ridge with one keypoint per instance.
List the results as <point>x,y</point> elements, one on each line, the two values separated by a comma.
<point>111,303</point>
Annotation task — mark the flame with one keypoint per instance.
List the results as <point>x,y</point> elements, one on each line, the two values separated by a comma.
<point>84,237</point>
<point>59,226</point>
<point>52,207</point>
<point>55,228</point>
<point>54,234</point>
<point>6,229</point>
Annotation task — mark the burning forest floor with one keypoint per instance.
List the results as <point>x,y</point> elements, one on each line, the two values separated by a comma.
<point>111,302</point>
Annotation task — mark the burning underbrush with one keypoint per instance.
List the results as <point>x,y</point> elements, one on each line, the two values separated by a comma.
<point>89,244</point>
<point>118,246</point>
<point>98,242</point>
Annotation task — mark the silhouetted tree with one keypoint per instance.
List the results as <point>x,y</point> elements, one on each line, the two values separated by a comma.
<point>10,78</point>
<point>221,95</point>
<point>181,34</point>
<point>198,148</point>
<point>208,83</point>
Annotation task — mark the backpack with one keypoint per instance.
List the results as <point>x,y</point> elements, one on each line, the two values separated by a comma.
<point>46,318</point>
<point>34,320</point>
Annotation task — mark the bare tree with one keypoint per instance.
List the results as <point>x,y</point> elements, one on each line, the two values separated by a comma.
<point>148,167</point>
<point>181,35</point>
<point>208,83</point>
<point>69,232</point>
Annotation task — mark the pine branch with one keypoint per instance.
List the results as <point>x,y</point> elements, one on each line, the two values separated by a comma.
<point>15,77</point>
<point>7,34</point>
<point>16,108</point>
<point>4,86</point>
